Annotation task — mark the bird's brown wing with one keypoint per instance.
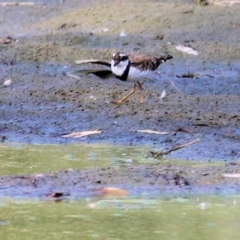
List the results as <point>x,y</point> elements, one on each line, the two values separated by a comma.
<point>135,57</point>
<point>143,62</point>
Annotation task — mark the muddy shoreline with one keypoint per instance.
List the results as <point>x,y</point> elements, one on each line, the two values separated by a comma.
<point>43,103</point>
<point>149,180</point>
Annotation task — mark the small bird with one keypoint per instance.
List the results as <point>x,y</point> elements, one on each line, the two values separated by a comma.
<point>130,68</point>
<point>135,68</point>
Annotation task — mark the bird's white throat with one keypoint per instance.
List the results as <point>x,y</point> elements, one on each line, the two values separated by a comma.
<point>119,69</point>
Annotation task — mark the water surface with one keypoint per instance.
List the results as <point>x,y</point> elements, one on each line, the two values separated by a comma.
<point>198,218</point>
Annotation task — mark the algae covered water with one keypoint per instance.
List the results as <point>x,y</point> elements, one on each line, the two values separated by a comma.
<point>197,218</point>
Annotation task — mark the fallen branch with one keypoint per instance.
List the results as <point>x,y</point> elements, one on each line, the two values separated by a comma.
<point>156,154</point>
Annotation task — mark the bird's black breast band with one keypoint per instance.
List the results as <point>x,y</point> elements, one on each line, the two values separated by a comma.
<point>125,74</point>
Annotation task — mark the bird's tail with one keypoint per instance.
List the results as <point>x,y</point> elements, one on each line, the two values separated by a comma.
<point>164,58</point>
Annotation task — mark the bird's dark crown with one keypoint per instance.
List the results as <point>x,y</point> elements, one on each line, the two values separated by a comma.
<point>119,57</point>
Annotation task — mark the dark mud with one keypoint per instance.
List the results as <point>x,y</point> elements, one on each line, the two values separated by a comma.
<point>43,103</point>
<point>155,180</point>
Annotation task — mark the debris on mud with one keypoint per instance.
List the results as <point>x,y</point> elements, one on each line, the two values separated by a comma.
<point>152,131</point>
<point>193,75</point>
<point>81,134</point>
<point>7,40</point>
<point>7,83</point>
<point>186,48</point>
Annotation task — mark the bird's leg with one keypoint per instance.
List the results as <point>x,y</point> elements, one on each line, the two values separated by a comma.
<point>120,101</point>
<point>140,85</point>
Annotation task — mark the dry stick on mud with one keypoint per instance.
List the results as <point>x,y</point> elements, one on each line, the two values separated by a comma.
<point>173,84</point>
<point>160,154</point>
<point>17,3</point>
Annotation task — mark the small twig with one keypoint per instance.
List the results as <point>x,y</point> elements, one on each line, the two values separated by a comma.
<point>174,85</point>
<point>152,131</point>
<point>208,75</point>
<point>69,74</point>
<point>156,154</point>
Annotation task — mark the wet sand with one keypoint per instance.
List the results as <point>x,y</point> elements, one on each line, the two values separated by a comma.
<point>43,103</point>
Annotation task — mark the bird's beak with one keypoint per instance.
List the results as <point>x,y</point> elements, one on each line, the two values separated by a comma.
<point>116,62</point>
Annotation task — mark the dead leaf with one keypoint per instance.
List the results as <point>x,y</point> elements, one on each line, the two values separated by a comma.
<point>7,83</point>
<point>114,191</point>
<point>6,40</point>
<point>152,131</point>
<point>81,134</point>
<point>163,94</point>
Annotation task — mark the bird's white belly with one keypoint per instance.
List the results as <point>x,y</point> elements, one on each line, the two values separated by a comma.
<point>135,75</point>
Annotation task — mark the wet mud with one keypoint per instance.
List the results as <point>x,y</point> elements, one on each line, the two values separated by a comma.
<point>202,92</point>
<point>152,180</point>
